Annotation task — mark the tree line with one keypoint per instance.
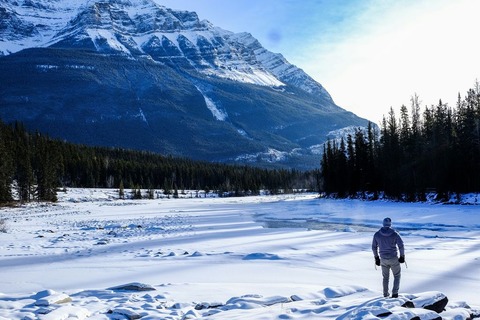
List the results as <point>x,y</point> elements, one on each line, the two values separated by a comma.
<point>34,166</point>
<point>435,150</point>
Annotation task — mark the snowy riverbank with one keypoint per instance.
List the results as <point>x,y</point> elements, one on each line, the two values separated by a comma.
<point>265,257</point>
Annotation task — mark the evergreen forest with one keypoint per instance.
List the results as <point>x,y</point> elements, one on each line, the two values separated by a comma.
<point>437,149</point>
<point>434,150</point>
<point>34,167</point>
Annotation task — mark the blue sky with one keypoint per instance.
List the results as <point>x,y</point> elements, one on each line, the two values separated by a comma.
<point>369,54</point>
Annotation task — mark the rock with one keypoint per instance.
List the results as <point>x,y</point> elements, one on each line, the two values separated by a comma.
<point>127,313</point>
<point>180,305</point>
<point>43,294</point>
<point>435,301</point>
<point>249,300</point>
<point>197,254</point>
<point>102,242</point>
<point>134,286</point>
<point>191,314</point>
<point>458,313</point>
<point>55,298</point>
<point>384,314</point>
<point>414,314</point>
<point>437,306</point>
<point>408,304</point>
<point>67,312</point>
<point>44,310</point>
<point>208,305</point>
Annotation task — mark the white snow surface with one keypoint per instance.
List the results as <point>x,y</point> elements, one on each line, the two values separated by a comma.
<point>217,113</point>
<point>260,257</point>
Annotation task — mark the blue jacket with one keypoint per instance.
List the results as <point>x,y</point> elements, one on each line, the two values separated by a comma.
<point>385,243</point>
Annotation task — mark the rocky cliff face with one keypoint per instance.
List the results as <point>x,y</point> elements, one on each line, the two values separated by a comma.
<point>174,83</point>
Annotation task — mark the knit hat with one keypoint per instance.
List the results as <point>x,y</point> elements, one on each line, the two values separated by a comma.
<point>387,222</point>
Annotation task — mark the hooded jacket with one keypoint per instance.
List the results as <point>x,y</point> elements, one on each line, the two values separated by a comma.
<point>385,243</point>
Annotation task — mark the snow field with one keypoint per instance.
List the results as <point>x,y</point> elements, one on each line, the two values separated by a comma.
<point>216,258</point>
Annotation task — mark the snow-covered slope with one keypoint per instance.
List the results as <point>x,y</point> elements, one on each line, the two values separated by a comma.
<point>27,23</point>
<point>143,27</point>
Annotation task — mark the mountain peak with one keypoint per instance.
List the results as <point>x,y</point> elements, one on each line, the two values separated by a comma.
<point>161,75</point>
<point>143,28</point>
<point>129,18</point>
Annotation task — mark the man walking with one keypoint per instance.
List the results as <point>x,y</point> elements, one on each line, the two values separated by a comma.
<point>384,247</point>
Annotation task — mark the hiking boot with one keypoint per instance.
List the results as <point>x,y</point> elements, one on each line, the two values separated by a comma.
<point>395,295</point>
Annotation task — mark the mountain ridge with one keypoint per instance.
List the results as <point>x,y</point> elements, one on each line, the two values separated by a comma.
<point>117,24</point>
<point>138,60</point>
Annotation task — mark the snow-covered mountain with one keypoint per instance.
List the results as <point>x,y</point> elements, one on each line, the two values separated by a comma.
<point>159,61</point>
<point>142,27</point>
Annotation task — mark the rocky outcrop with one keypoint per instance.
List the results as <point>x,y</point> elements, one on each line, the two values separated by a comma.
<point>138,300</point>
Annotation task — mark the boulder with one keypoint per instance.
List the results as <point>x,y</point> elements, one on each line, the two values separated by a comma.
<point>133,286</point>
<point>208,305</point>
<point>432,300</point>
<point>67,312</point>
<point>437,306</point>
<point>127,313</point>
<point>49,297</point>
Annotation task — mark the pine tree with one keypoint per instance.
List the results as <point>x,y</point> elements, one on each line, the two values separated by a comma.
<point>45,170</point>
<point>6,166</point>
<point>24,171</point>
<point>121,190</point>
<point>372,156</point>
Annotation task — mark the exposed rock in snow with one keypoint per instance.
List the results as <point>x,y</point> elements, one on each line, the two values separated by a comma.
<point>49,297</point>
<point>134,286</point>
<point>353,303</point>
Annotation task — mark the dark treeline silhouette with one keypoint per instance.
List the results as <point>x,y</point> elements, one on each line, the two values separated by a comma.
<point>34,166</point>
<point>436,150</point>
